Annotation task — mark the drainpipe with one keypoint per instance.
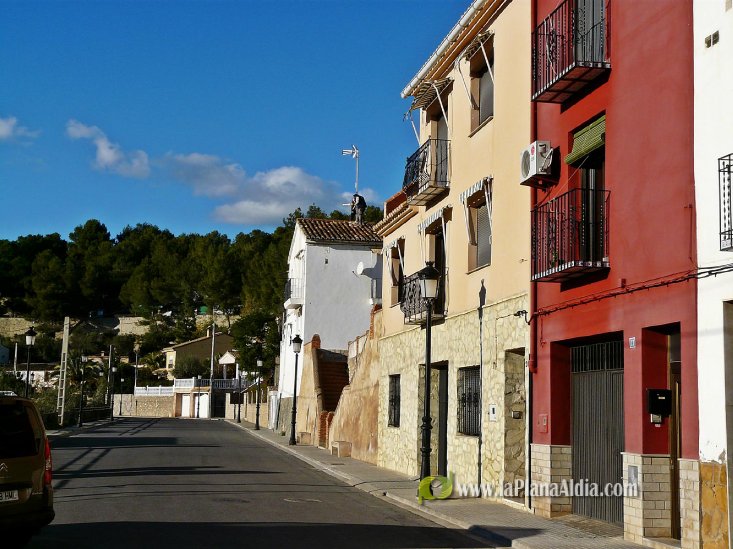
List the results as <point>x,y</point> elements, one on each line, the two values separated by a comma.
<point>532,365</point>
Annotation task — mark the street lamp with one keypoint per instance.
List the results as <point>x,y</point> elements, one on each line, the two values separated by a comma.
<point>257,415</point>
<point>296,342</point>
<point>122,381</point>
<point>428,277</point>
<point>30,341</point>
<point>81,396</point>
<point>239,392</point>
<point>198,395</point>
<point>112,394</point>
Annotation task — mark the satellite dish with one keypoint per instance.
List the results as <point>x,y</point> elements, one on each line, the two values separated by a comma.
<point>360,268</point>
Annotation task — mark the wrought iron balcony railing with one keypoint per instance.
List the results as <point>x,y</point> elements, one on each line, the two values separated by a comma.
<point>427,172</point>
<point>293,294</point>
<point>570,236</point>
<point>570,49</point>
<point>412,304</point>
<point>725,177</point>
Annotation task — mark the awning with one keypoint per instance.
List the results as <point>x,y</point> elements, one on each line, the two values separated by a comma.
<point>473,189</point>
<point>393,244</point>
<point>586,140</point>
<point>479,41</point>
<point>432,218</point>
<point>426,92</point>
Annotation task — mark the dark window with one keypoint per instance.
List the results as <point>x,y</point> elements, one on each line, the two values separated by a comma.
<point>469,400</point>
<point>17,436</point>
<point>483,236</point>
<point>482,85</point>
<point>397,273</point>
<point>591,227</point>
<point>394,401</point>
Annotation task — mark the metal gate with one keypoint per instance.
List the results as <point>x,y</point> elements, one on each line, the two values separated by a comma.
<point>598,427</point>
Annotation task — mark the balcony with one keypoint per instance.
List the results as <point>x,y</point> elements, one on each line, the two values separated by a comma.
<point>293,294</point>
<point>570,49</point>
<point>413,305</point>
<point>427,172</point>
<point>570,236</point>
<point>725,177</point>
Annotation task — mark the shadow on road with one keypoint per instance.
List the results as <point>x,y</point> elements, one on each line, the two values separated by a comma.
<point>260,535</point>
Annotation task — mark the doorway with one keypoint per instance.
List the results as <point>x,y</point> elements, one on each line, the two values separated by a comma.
<point>598,426</point>
<point>674,372</point>
<point>438,416</point>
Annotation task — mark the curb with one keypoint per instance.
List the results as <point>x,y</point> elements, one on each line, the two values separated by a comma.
<point>400,501</point>
<point>71,431</point>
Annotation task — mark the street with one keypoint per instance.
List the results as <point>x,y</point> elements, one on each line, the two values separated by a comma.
<point>200,483</point>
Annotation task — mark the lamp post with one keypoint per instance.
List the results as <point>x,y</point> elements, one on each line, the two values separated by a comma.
<point>296,342</point>
<point>239,400</point>
<point>122,381</point>
<point>198,395</point>
<point>30,341</point>
<point>81,396</point>
<point>259,378</point>
<point>428,276</point>
<point>112,394</point>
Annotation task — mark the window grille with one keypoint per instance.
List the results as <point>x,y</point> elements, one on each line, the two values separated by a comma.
<point>394,401</point>
<point>725,175</point>
<point>469,401</point>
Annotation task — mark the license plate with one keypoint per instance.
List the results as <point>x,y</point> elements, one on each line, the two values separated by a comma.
<point>8,495</point>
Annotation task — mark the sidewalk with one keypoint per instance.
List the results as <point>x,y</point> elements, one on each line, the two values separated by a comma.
<point>498,523</point>
<point>68,430</point>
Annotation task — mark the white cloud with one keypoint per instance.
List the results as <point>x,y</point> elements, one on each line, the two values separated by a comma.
<point>9,130</point>
<point>209,175</point>
<point>110,156</point>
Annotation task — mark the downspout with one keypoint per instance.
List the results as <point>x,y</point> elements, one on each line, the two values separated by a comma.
<point>532,363</point>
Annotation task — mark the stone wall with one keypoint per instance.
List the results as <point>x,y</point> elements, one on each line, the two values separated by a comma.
<point>13,326</point>
<point>308,402</point>
<point>457,343</point>
<point>649,513</point>
<point>158,406</point>
<point>551,464</point>
<point>712,513</point>
<point>356,417</point>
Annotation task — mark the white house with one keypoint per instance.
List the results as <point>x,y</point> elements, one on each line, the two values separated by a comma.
<point>713,157</point>
<point>334,280</point>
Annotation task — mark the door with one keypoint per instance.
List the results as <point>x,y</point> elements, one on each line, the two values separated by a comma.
<point>443,422</point>
<point>185,405</point>
<point>598,426</point>
<point>675,434</point>
<point>201,405</point>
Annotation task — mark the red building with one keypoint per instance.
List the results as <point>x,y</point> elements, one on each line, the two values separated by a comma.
<point>613,247</point>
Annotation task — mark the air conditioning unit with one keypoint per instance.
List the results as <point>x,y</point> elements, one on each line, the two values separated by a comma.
<point>536,164</point>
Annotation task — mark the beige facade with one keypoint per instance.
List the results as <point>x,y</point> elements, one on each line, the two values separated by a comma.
<point>475,226</point>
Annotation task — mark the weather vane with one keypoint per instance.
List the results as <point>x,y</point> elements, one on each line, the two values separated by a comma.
<point>353,152</point>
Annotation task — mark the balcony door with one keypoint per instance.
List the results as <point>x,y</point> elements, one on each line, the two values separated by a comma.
<point>591,226</point>
<point>589,37</point>
<point>438,255</point>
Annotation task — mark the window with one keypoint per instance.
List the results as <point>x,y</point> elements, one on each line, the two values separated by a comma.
<point>591,230</point>
<point>477,209</point>
<point>394,401</point>
<point>469,400</point>
<point>396,271</point>
<point>479,249</point>
<point>482,84</point>
<point>436,116</point>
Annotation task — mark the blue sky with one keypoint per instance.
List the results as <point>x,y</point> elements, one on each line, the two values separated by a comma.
<point>203,115</point>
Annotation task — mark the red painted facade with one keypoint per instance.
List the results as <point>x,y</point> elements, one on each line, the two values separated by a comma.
<point>647,99</point>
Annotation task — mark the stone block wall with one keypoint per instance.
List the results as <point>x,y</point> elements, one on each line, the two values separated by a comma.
<point>144,406</point>
<point>690,507</point>
<point>649,513</point>
<point>551,464</point>
<point>457,342</point>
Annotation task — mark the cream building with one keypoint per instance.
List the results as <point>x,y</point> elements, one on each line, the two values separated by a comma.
<point>462,207</point>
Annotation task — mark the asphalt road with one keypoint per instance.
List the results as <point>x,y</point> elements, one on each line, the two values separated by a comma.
<point>199,483</point>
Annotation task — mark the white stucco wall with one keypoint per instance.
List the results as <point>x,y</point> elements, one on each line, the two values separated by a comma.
<point>713,138</point>
<point>336,301</point>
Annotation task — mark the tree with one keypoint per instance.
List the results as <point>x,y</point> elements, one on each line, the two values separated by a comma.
<point>256,337</point>
<point>189,366</point>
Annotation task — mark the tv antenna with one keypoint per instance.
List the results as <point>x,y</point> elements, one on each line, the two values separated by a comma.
<point>353,152</point>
